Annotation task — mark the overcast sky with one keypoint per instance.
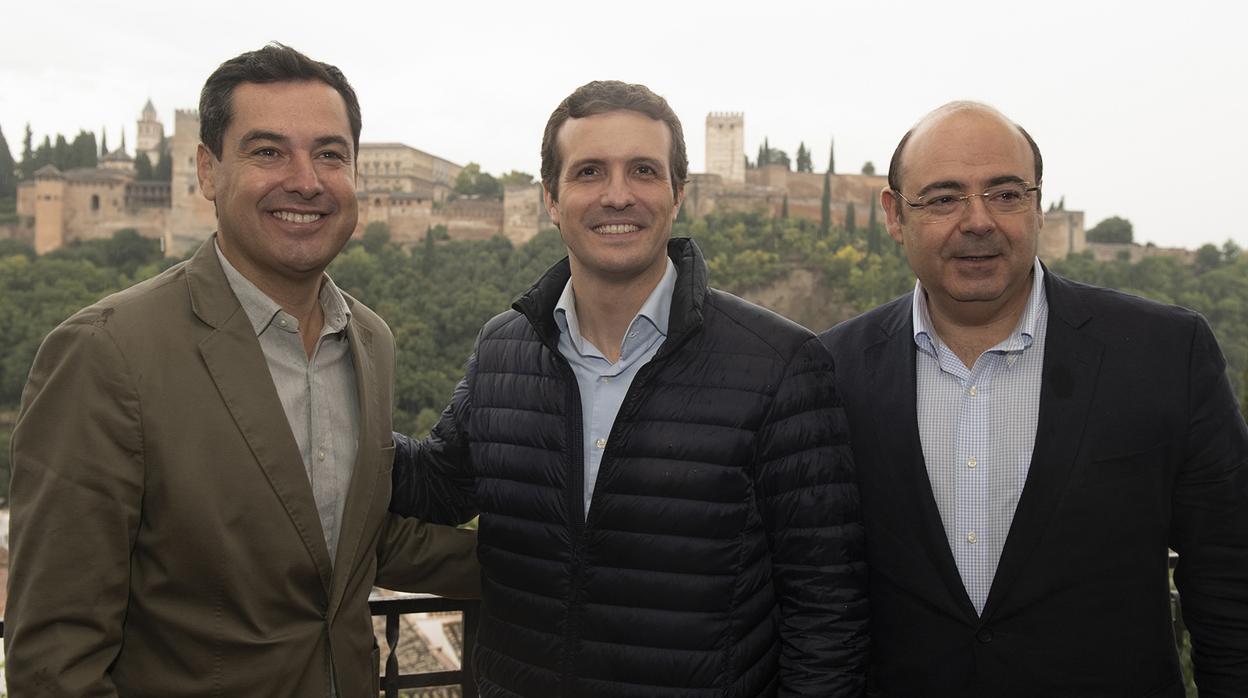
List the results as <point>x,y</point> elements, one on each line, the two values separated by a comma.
<point>1140,108</point>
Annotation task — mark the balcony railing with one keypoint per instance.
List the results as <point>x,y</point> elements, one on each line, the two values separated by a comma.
<point>391,607</point>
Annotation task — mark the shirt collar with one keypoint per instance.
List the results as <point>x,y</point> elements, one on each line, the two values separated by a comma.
<point>925,336</point>
<point>262,310</point>
<point>656,309</point>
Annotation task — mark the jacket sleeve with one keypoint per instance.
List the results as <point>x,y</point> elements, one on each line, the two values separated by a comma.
<point>1209,526</point>
<point>423,557</point>
<point>433,478</point>
<point>77,487</point>
<point>808,498</point>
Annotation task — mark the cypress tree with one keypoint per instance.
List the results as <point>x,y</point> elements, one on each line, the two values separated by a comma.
<point>28,155</point>
<point>8,170</point>
<point>83,150</point>
<point>784,208</point>
<point>143,170</point>
<point>832,157</point>
<point>103,142</point>
<point>164,167</point>
<point>61,153</point>
<point>873,232</point>
<point>825,208</point>
<point>851,225</point>
<point>804,163</point>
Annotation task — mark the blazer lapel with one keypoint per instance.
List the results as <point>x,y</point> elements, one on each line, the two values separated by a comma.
<point>364,475</point>
<point>891,364</point>
<point>236,363</point>
<point>1071,363</point>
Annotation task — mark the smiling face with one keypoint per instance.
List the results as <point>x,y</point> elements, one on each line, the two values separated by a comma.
<point>975,265</point>
<point>616,201</point>
<point>284,187</point>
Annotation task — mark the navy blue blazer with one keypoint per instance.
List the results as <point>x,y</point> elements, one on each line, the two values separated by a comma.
<point>1140,447</point>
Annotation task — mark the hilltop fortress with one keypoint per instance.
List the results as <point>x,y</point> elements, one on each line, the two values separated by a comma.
<point>412,191</point>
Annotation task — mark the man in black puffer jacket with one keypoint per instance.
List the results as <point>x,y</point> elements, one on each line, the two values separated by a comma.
<point>662,470</point>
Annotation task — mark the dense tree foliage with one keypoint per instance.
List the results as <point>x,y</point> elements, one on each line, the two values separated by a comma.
<point>436,295</point>
<point>804,163</point>
<point>768,155</point>
<point>471,181</point>
<point>8,170</point>
<point>1112,229</point>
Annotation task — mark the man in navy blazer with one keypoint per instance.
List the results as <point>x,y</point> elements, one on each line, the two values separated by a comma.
<point>1028,448</point>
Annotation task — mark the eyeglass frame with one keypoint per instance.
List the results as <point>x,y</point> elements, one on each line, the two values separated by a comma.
<point>965,199</point>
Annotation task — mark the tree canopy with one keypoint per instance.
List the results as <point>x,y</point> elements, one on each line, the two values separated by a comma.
<point>436,295</point>
<point>1112,229</point>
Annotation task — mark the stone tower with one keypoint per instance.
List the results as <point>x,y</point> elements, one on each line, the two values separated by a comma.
<point>150,133</point>
<point>725,146</point>
<point>49,209</point>
<point>193,218</point>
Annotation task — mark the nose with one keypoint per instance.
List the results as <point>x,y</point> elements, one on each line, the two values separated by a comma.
<point>302,177</point>
<point>976,219</point>
<point>617,192</point>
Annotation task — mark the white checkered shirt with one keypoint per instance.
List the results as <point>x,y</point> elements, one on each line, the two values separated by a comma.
<point>978,427</point>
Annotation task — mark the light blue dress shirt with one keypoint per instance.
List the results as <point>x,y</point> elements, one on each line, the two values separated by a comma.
<point>603,384</point>
<point>978,429</point>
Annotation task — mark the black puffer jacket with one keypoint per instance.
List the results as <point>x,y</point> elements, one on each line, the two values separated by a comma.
<point>723,551</point>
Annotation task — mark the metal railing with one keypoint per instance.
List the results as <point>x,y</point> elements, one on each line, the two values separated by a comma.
<point>394,606</point>
<point>391,608</point>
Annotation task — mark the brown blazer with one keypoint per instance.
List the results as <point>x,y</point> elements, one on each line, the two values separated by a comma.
<point>164,537</point>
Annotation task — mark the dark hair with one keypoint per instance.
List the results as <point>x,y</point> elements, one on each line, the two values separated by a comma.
<point>273,63</point>
<point>894,165</point>
<point>599,97</point>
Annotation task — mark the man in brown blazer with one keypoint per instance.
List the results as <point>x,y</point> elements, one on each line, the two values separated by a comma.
<point>201,464</point>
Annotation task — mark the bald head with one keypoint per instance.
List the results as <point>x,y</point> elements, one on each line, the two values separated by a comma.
<point>955,115</point>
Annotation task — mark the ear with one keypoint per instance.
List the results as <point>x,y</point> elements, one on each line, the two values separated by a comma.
<point>552,206</point>
<point>680,199</point>
<point>205,166</point>
<point>891,204</point>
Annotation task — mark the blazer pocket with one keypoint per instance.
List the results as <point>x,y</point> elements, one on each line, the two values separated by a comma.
<point>1126,465</point>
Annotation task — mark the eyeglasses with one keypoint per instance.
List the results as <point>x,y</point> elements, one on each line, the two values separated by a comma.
<point>1004,199</point>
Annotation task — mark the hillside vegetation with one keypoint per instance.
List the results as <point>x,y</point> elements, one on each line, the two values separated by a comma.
<point>437,295</point>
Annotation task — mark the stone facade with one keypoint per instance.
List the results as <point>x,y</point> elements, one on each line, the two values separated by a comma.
<point>767,187</point>
<point>150,133</point>
<point>1131,252</point>
<point>192,218</point>
<point>91,203</point>
<point>395,167</point>
<point>1062,235</point>
<point>523,212</point>
<point>725,146</point>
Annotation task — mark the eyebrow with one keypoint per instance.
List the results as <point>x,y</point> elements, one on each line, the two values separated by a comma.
<point>253,136</point>
<point>332,140</point>
<point>638,160</point>
<point>952,184</point>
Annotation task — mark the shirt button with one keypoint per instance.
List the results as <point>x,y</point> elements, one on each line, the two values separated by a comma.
<point>604,379</point>
<point>984,635</point>
<point>970,538</point>
<point>601,443</point>
<point>632,335</point>
<point>974,390</point>
<point>321,454</point>
<point>282,322</point>
<point>972,463</point>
